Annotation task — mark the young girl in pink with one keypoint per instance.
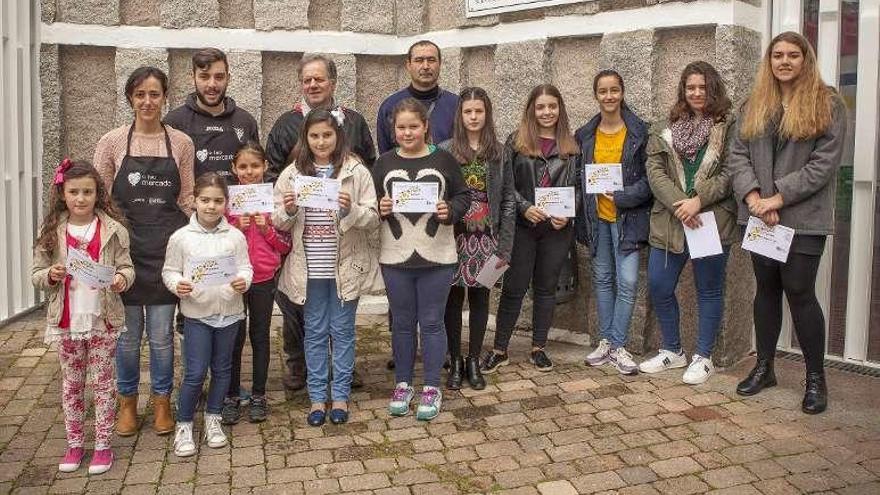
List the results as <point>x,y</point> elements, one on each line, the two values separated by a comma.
<point>266,246</point>
<point>84,321</point>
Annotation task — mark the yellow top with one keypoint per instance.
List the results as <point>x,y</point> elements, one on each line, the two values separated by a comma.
<point>608,149</point>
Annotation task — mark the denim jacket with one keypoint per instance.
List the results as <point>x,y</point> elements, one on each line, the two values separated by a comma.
<point>634,202</point>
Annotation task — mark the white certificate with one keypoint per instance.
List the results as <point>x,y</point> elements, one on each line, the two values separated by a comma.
<point>316,192</point>
<point>87,271</point>
<point>555,201</point>
<point>414,197</point>
<point>489,275</point>
<point>209,271</point>
<point>772,242</point>
<point>602,177</point>
<point>704,240</point>
<point>252,198</point>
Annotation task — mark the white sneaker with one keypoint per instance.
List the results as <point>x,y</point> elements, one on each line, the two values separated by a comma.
<point>400,399</point>
<point>214,431</point>
<point>599,356</point>
<point>623,361</point>
<point>700,369</point>
<point>183,440</point>
<point>663,361</point>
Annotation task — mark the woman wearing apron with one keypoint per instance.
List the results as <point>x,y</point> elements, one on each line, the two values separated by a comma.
<point>149,168</point>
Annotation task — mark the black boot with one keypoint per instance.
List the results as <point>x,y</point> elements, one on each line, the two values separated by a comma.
<point>456,373</point>
<point>759,378</point>
<point>816,395</point>
<point>474,376</point>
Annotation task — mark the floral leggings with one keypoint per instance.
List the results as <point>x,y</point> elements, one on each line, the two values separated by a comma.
<point>95,356</point>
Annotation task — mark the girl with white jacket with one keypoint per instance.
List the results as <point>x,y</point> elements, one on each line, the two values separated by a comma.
<point>331,263</point>
<point>198,253</point>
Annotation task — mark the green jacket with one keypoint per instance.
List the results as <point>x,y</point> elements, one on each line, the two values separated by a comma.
<point>712,184</point>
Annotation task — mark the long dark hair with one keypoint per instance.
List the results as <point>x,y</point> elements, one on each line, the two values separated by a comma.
<point>48,238</point>
<point>490,149</point>
<point>302,154</point>
<point>527,141</point>
<point>717,102</point>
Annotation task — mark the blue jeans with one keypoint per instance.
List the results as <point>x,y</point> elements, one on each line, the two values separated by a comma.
<point>205,346</point>
<point>417,299</point>
<point>611,269</point>
<point>664,269</point>
<point>159,321</point>
<point>328,318</point>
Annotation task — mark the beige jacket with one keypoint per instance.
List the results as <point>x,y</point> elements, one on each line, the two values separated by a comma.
<point>357,264</point>
<point>114,252</point>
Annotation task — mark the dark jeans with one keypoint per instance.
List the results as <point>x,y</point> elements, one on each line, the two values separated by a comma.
<point>478,305</point>
<point>205,347</point>
<point>258,300</point>
<point>537,258</point>
<point>664,270</point>
<point>417,297</point>
<point>797,279</point>
<point>293,335</point>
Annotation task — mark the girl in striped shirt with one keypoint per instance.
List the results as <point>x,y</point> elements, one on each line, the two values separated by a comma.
<point>331,263</point>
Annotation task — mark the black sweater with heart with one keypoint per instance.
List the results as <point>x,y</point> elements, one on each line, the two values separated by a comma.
<point>419,240</point>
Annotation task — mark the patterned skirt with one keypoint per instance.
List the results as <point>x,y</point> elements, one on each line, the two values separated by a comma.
<point>474,248</point>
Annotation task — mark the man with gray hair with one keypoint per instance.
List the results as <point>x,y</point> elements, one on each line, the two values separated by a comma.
<point>317,75</point>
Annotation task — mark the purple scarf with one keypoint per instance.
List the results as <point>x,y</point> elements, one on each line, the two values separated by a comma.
<point>690,134</point>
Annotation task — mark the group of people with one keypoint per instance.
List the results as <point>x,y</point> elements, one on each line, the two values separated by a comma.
<point>155,200</point>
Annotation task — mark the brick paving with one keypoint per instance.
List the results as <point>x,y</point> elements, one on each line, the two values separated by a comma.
<point>573,430</point>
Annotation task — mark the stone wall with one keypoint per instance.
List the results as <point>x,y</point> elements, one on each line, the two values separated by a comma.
<point>82,86</point>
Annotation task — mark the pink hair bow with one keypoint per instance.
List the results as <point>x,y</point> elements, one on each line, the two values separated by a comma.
<point>60,169</point>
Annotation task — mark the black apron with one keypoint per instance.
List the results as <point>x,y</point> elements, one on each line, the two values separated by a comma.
<point>146,190</point>
<point>215,149</point>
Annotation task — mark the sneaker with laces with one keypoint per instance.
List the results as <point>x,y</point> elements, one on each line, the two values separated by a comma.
<point>184,446</point>
<point>600,355</point>
<point>102,461</point>
<point>429,403</point>
<point>541,361</point>
<point>492,361</point>
<point>700,369</point>
<point>72,459</point>
<point>231,411</point>
<point>663,361</point>
<point>400,399</point>
<point>214,434</point>
<point>259,410</point>
<point>622,360</point>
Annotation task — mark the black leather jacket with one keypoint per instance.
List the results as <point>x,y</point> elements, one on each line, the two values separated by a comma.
<point>502,208</point>
<point>526,170</point>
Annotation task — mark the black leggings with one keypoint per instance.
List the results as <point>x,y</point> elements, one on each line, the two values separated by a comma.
<point>478,304</point>
<point>259,299</point>
<point>797,279</point>
<point>537,259</point>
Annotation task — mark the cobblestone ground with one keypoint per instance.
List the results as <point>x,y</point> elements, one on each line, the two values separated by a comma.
<point>573,430</point>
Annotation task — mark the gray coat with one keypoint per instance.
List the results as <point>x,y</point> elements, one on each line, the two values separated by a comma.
<point>502,209</point>
<point>803,171</point>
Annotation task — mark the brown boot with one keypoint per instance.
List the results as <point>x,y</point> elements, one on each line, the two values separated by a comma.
<point>163,422</point>
<point>126,418</point>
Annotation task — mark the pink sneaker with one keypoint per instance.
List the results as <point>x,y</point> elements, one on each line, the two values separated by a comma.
<point>72,459</point>
<point>102,461</point>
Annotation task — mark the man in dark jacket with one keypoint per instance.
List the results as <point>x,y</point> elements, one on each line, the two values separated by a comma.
<point>317,74</point>
<point>211,119</point>
<point>423,65</point>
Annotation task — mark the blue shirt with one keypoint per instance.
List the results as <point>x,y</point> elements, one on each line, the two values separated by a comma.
<point>441,113</point>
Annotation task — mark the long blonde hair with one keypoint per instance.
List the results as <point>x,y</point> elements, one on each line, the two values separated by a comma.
<point>809,112</point>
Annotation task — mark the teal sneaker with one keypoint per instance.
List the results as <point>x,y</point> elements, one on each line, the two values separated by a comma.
<point>400,399</point>
<point>429,405</point>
